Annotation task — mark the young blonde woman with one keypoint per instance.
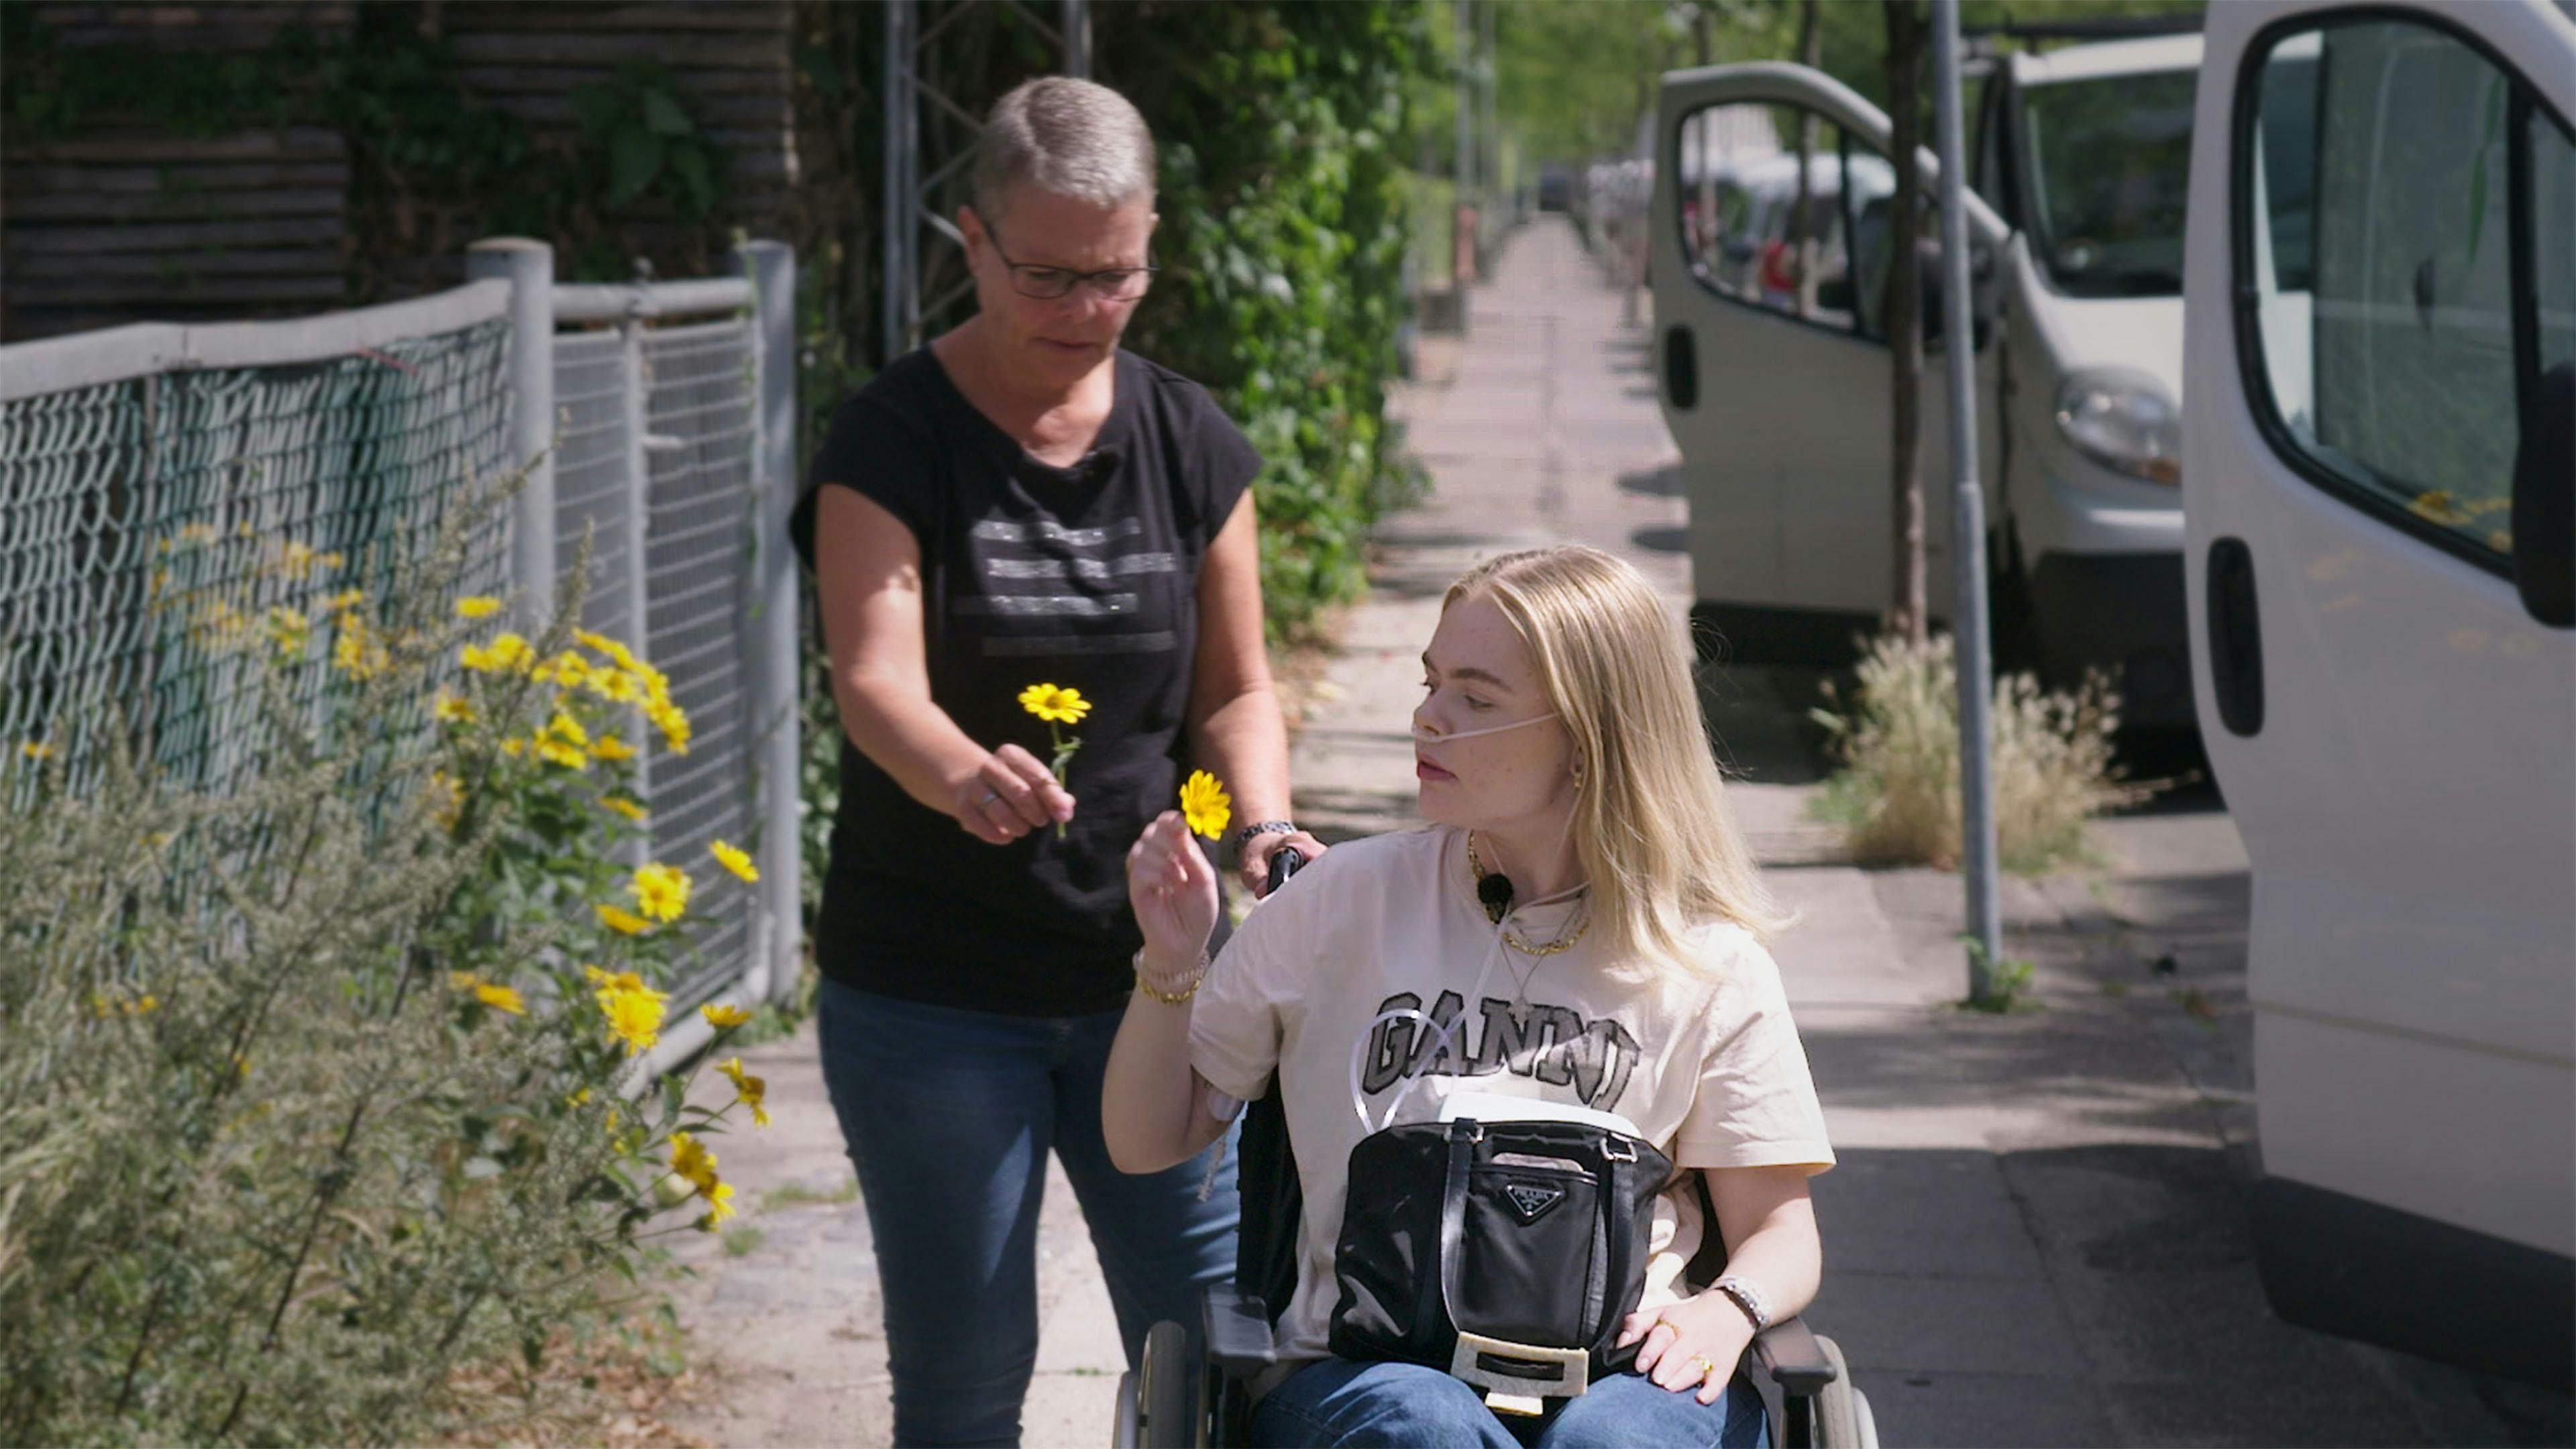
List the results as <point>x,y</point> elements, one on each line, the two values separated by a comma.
<point>1558,746</point>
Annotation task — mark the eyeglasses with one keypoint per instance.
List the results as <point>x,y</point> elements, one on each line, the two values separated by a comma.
<point>1045,284</point>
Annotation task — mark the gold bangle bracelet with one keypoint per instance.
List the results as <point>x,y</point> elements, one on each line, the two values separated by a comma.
<point>1181,997</point>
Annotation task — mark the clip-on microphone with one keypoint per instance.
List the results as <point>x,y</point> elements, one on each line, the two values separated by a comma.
<point>1495,890</point>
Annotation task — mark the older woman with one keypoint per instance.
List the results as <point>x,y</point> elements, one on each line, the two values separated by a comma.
<point>1023,503</point>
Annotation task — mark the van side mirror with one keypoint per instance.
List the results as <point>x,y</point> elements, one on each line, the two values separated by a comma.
<point>2544,502</point>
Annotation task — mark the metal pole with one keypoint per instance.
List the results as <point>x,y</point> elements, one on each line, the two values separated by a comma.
<point>900,282</point>
<point>529,267</point>
<point>775,647</point>
<point>1077,39</point>
<point>635,530</point>
<point>1967,522</point>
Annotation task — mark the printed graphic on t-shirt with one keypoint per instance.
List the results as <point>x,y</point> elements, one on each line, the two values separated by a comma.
<point>1551,1043</point>
<point>1049,590</point>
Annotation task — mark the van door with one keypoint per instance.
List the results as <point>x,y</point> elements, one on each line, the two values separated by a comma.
<point>2381,291</point>
<point>1771,187</point>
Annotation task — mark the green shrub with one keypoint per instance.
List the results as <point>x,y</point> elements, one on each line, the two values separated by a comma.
<point>1897,795</point>
<point>311,1110</point>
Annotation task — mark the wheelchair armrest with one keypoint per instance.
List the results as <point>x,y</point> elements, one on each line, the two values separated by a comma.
<point>1239,1340</point>
<point>1788,1352</point>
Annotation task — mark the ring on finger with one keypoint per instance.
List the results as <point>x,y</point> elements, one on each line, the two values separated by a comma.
<point>1707,1367</point>
<point>989,797</point>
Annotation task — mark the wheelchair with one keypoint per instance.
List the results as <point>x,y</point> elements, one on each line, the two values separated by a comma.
<point>1175,1400</point>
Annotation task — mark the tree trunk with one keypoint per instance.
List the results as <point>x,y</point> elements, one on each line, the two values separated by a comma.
<point>1905,35</point>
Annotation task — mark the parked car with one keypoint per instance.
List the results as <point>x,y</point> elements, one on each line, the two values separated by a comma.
<point>1779,399</point>
<point>2380,512</point>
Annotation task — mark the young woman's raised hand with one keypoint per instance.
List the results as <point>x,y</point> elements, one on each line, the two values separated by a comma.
<point>1173,889</point>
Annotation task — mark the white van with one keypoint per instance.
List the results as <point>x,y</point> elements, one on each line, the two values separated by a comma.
<point>1778,394</point>
<point>2381,512</point>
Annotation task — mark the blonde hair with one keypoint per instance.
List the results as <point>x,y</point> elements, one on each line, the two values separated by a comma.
<point>1068,137</point>
<point>1651,827</point>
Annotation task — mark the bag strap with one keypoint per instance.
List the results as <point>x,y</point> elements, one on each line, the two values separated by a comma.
<point>1464,1134</point>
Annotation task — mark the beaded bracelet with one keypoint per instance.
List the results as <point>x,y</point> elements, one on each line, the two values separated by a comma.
<point>1152,988</point>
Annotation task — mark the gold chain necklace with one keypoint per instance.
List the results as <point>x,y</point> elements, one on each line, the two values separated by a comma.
<point>1572,934</point>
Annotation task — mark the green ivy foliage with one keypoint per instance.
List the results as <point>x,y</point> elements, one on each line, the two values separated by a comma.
<point>1283,235</point>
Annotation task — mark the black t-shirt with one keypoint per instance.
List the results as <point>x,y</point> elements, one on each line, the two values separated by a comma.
<point>1085,577</point>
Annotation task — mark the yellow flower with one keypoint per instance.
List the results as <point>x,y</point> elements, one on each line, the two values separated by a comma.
<point>289,630</point>
<point>724,1016</point>
<point>345,600</point>
<point>567,729</point>
<point>562,754</point>
<point>671,720</point>
<point>514,748</point>
<point>661,891</point>
<point>578,1099</point>
<point>735,861</point>
<point>622,981</point>
<point>690,1159</point>
<point>453,709</point>
<point>634,1017</point>
<point>500,998</point>
<point>356,652</point>
<point>749,1088</point>
<point>615,685</point>
<point>36,750</point>
<point>567,669</point>
<point>477,606</point>
<point>617,653</point>
<point>1205,804</point>
<point>506,652</point>
<point>622,806</point>
<point>625,922</point>
<point>611,748</point>
<point>1054,705</point>
<point>451,796</point>
<point>719,1196</point>
<point>151,1003</point>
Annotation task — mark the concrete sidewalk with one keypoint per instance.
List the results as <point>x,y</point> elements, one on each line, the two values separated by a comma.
<point>2036,1235</point>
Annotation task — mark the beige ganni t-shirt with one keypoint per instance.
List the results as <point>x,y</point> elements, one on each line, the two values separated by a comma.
<point>1708,1065</point>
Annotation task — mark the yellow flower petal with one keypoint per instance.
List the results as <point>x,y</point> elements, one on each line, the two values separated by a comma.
<point>500,998</point>
<point>623,921</point>
<point>736,861</point>
<point>477,606</point>
<point>727,1015</point>
<point>611,748</point>
<point>622,806</point>
<point>1205,805</point>
<point>661,891</point>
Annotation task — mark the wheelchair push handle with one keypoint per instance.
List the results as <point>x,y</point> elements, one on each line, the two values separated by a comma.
<point>1285,862</point>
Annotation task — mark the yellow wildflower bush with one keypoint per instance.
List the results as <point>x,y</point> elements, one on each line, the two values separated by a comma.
<point>323,1087</point>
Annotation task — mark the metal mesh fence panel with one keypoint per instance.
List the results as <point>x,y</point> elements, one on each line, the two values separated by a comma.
<point>169,535</point>
<point>701,416</point>
<point>593,491</point>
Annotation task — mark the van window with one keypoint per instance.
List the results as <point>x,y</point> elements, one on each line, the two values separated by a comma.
<point>1766,197</point>
<point>2380,235</point>
<point>2106,167</point>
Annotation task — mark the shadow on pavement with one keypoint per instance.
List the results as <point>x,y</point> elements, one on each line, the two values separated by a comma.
<point>2157,1331</point>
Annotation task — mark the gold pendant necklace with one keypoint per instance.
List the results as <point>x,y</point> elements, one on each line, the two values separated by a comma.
<point>1574,932</point>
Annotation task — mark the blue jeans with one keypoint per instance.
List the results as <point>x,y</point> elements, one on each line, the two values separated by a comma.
<point>949,1115</point>
<point>1336,1401</point>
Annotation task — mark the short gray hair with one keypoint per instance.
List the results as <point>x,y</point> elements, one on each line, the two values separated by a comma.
<point>1066,137</point>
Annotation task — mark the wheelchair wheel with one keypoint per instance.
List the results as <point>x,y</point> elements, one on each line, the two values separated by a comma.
<point>1167,1391</point>
<point>1838,1412</point>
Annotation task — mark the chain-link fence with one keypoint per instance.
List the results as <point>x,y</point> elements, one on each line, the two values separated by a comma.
<point>184,504</point>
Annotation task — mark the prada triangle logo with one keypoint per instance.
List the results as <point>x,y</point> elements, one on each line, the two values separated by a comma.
<point>1530,1201</point>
